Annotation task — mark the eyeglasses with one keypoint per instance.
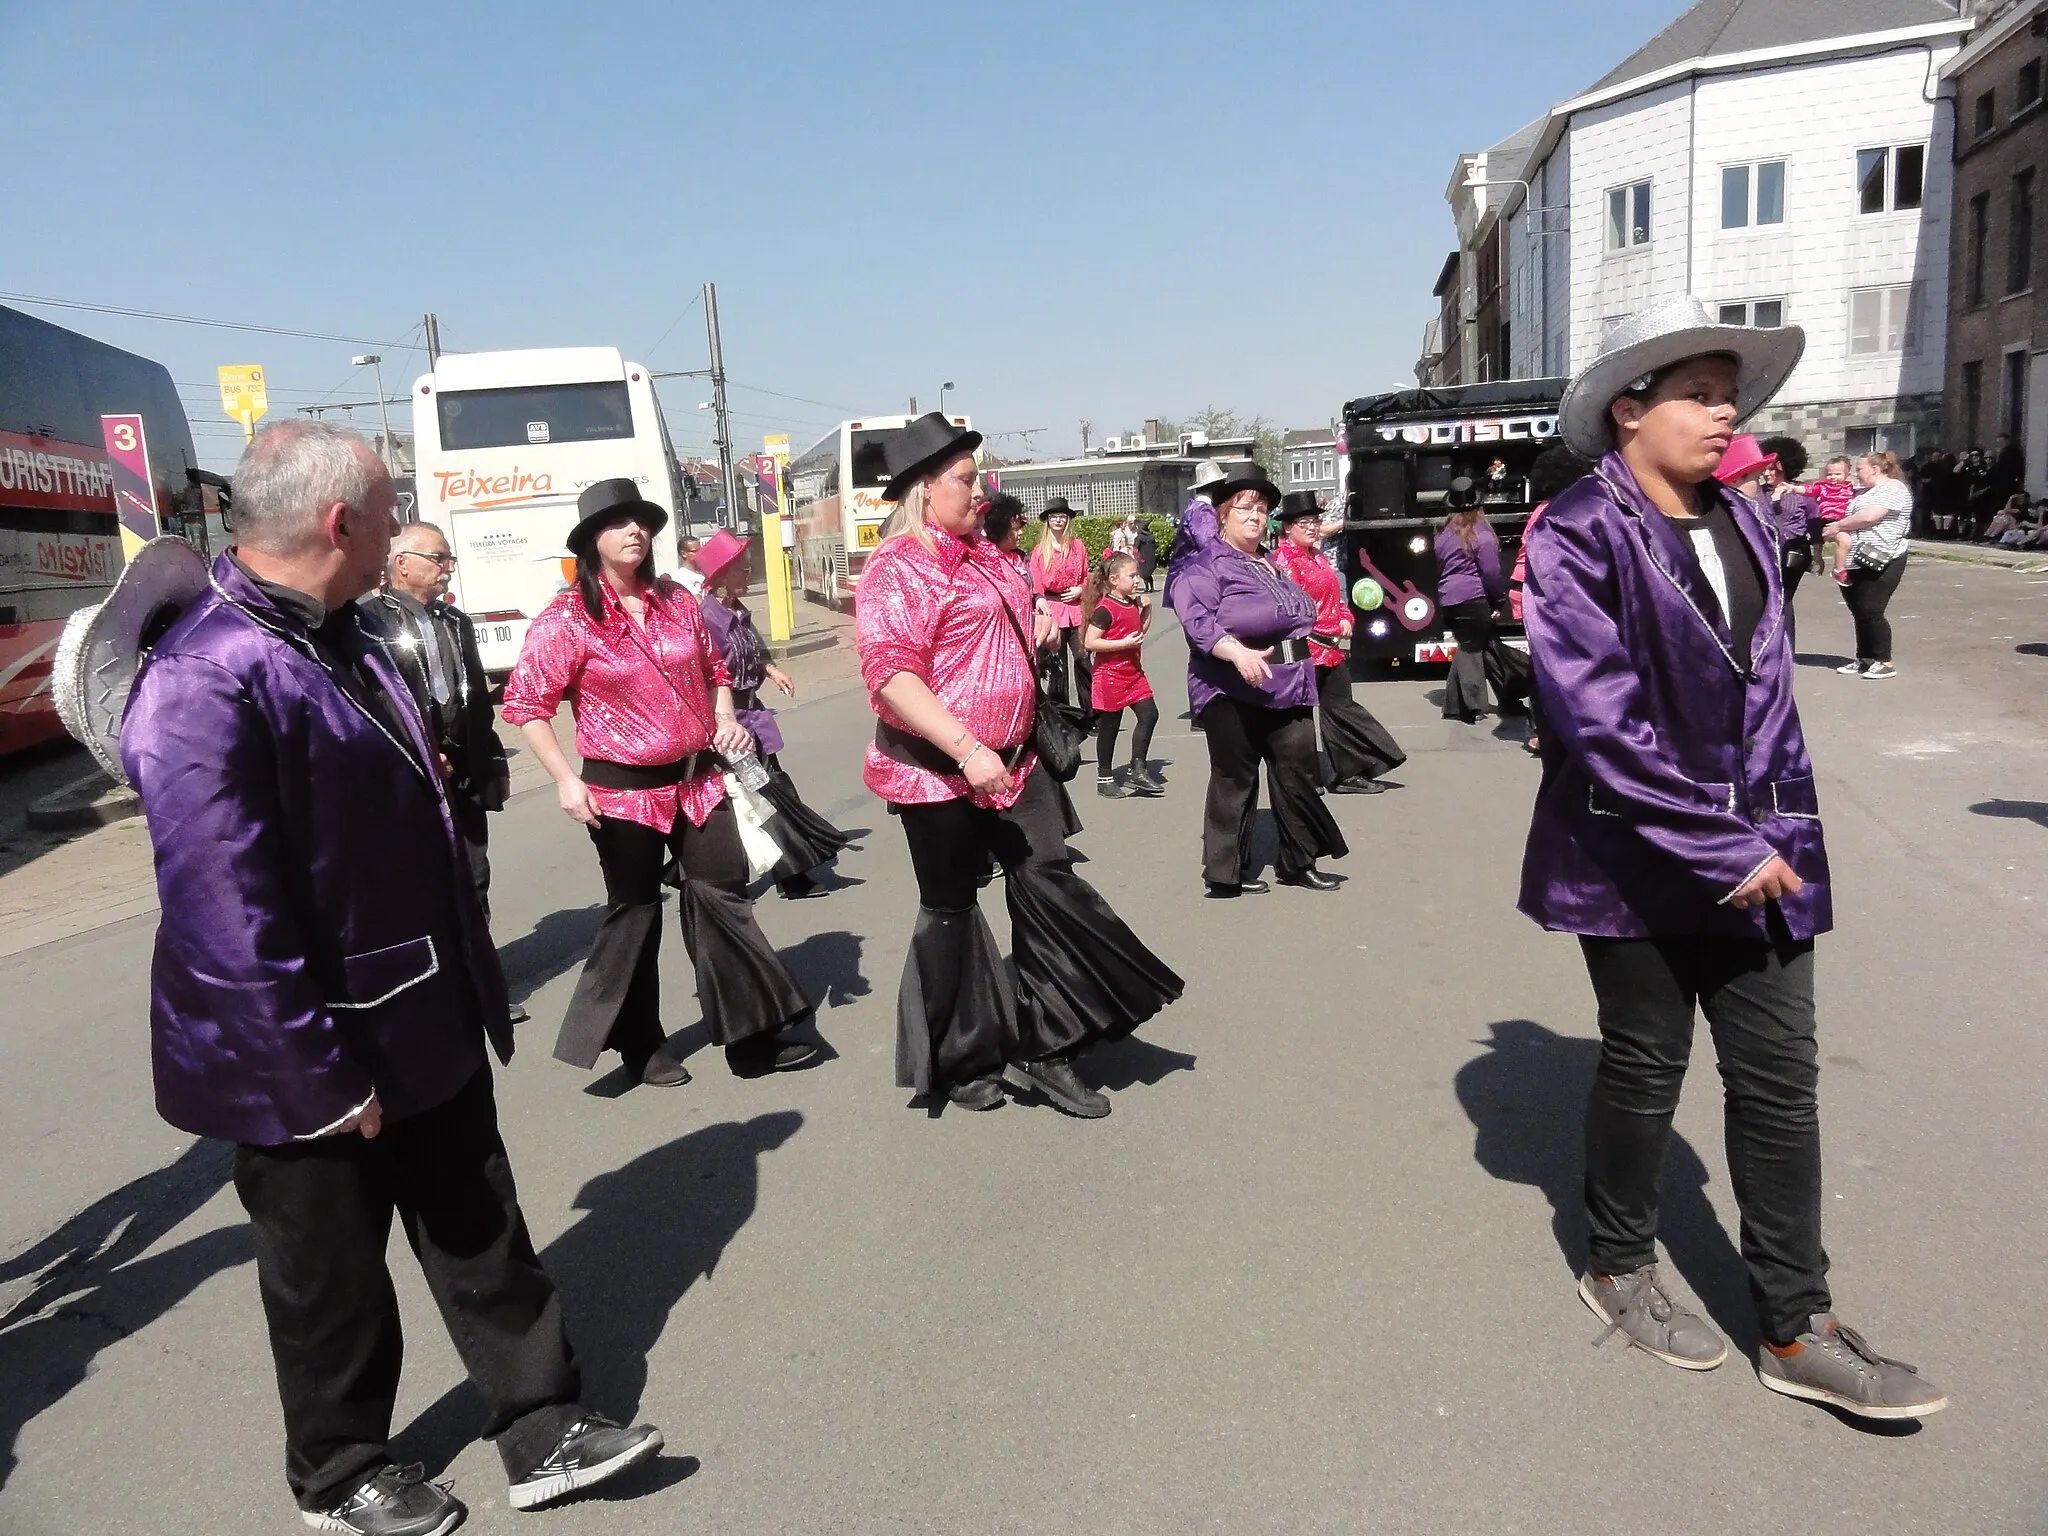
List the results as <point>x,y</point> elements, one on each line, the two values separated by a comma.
<point>446,562</point>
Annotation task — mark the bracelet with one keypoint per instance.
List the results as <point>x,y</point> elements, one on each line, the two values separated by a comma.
<point>979,746</point>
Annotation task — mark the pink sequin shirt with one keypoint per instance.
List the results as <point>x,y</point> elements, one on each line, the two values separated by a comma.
<point>1049,575</point>
<point>640,695</point>
<point>935,614</point>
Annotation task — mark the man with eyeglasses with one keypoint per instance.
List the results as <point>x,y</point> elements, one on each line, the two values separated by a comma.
<point>433,645</point>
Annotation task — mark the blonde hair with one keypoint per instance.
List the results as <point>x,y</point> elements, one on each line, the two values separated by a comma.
<point>908,519</point>
<point>1884,461</point>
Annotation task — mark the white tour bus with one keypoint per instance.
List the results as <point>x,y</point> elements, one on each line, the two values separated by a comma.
<point>504,443</point>
<point>836,497</point>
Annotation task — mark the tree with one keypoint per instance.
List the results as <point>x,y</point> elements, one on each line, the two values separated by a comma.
<point>1216,421</point>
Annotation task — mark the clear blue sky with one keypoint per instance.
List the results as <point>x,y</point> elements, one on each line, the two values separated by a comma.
<point>1101,211</point>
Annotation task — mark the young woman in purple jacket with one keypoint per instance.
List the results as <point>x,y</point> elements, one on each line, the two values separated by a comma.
<point>1677,832</point>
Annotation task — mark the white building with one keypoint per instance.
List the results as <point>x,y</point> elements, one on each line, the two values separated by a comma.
<point>1786,160</point>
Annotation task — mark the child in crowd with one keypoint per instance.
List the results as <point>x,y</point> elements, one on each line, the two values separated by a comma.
<point>1115,633</point>
<point>1833,492</point>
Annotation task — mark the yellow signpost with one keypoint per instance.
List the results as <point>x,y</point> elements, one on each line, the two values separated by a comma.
<point>243,395</point>
<point>776,526</point>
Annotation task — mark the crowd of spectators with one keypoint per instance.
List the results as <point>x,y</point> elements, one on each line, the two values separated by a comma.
<point>1977,496</point>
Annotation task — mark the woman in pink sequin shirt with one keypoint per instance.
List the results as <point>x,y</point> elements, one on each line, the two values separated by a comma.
<point>945,629</point>
<point>654,726</point>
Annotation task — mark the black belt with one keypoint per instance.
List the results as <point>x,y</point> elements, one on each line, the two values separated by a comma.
<point>1334,642</point>
<point>1285,651</point>
<point>912,749</point>
<point>607,775</point>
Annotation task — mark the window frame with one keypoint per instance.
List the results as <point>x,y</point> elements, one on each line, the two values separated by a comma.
<point>2019,234</point>
<point>1890,162</point>
<point>1984,112</point>
<point>1888,298</point>
<point>1633,197</point>
<point>1977,251</point>
<point>1749,308</point>
<point>1752,172</point>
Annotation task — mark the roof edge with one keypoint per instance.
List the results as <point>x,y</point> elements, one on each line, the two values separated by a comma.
<point>1990,37</point>
<point>1726,63</point>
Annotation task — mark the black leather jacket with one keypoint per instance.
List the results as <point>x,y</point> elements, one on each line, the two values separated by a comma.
<point>466,727</point>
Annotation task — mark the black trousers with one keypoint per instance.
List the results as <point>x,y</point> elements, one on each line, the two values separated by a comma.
<point>1109,723</point>
<point>1082,975</point>
<point>473,824</point>
<point>1053,662</point>
<point>1868,593</point>
<point>742,985</point>
<point>1798,560</point>
<point>1481,661</point>
<point>1240,737</point>
<point>1757,996</point>
<point>1358,745</point>
<point>321,1215</point>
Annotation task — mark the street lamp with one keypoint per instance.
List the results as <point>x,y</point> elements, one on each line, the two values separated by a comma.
<point>372,360</point>
<point>942,395</point>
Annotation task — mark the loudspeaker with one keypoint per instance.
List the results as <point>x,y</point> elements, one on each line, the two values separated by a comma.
<point>1381,486</point>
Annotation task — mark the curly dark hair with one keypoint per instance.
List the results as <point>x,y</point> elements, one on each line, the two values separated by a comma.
<point>1556,468</point>
<point>1792,457</point>
<point>1003,513</point>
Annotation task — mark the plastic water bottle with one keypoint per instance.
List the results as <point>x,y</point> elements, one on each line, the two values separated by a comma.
<point>750,771</point>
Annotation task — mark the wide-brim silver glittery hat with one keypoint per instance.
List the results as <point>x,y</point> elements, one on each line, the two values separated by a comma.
<point>1654,339</point>
<point>101,651</point>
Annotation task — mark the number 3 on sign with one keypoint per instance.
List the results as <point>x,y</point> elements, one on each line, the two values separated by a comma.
<point>124,436</point>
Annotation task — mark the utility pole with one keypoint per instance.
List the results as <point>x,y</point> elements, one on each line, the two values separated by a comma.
<point>913,405</point>
<point>1087,431</point>
<point>433,342</point>
<point>724,425</point>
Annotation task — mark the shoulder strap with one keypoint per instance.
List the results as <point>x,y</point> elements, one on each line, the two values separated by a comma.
<point>1002,602</point>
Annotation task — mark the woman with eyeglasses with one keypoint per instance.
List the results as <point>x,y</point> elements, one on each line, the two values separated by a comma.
<point>655,724</point>
<point>1252,687</point>
<point>947,650</point>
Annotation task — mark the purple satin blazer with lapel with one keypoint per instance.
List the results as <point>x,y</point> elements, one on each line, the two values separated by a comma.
<point>320,934</point>
<point>1673,769</point>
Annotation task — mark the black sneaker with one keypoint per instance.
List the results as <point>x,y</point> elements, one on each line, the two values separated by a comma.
<point>392,1501</point>
<point>760,1055</point>
<point>1111,789</point>
<point>978,1093</point>
<point>594,1449</point>
<point>1146,774</point>
<point>1055,1079</point>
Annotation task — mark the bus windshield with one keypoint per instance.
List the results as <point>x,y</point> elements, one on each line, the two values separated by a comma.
<point>546,413</point>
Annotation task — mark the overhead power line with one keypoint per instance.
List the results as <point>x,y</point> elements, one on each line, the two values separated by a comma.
<point>218,325</point>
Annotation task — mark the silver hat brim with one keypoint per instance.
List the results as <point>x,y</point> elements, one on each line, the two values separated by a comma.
<point>1764,360</point>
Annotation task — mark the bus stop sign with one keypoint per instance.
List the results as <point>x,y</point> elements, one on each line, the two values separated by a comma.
<point>244,396</point>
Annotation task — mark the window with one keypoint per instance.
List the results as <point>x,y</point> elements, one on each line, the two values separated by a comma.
<point>2013,418</point>
<point>2028,89</point>
<point>1296,472</point>
<point>2019,235</point>
<point>1628,217</point>
<point>1974,239</point>
<point>1329,466</point>
<point>1893,437</point>
<point>1766,180</point>
<point>1987,112</point>
<point>1766,313</point>
<point>1973,403</point>
<point>1890,180</point>
<point>1884,321</point>
<point>535,414</point>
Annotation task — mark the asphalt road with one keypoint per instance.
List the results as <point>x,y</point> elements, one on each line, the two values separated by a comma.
<point>1313,1274</point>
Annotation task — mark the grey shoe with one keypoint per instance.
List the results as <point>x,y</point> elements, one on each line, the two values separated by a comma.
<point>1836,1365</point>
<point>1637,1307</point>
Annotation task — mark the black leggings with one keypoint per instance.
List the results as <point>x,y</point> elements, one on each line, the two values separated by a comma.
<point>1109,722</point>
<point>1868,592</point>
<point>1066,645</point>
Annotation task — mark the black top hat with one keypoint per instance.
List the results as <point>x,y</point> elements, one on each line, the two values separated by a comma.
<point>1462,494</point>
<point>1245,477</point>
<point>1058,505</point>
<point>1296,505</point>
<point>928,443</point>
<point>608,502</point>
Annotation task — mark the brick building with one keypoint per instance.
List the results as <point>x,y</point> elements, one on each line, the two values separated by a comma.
<point>1997,375</point>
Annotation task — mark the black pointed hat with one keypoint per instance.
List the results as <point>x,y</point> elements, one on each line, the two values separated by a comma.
<point>923,446</point>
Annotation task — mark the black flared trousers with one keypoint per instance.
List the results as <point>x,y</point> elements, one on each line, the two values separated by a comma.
<point>1868,593</point>
<point>1359,747</point>
<point>1757,996</point>
<point>321,1214</point>
<point>1482,660</point>
<point>742,985</point>
<point>1082,975</point>
<point>1240,737</point>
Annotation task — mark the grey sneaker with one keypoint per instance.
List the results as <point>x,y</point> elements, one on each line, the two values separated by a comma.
<point>1852,668</point>
<point>1836,1365</point>
<point>1878,671</point>
<point>1637,1307</point>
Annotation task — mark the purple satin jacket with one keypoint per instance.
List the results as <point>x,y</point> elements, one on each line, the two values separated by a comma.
<point>747,664</point>
<point>1223,591</point>
<point>1467,575</point>
<point>320,934</point>
<point>1673,769</point>
<point>1796,514</point>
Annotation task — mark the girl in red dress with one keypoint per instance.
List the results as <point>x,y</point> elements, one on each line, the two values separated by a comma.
<point>1114,639</point>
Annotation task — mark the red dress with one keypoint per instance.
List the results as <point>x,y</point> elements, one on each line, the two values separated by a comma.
<point>1119,675</point>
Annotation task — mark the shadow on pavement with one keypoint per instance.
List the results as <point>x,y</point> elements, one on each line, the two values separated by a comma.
<point>1526,1100</point>
<point>2032,648</point>
<point>557,943</point>
<point>827,967</point>
<point>2035,811</point>
<point>650,1231</point>
<point>1821,659</point>
<point>1120,1064</point>
<point>92,1286</point>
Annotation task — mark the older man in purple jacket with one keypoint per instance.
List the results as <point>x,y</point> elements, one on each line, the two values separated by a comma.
<point>322,992</point>
<point>1677,833</point>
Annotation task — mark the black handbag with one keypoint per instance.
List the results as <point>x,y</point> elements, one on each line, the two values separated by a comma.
<point>1053,737</point>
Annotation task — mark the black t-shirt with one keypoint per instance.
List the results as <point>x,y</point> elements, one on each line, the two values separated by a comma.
<point>1727,565</point>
